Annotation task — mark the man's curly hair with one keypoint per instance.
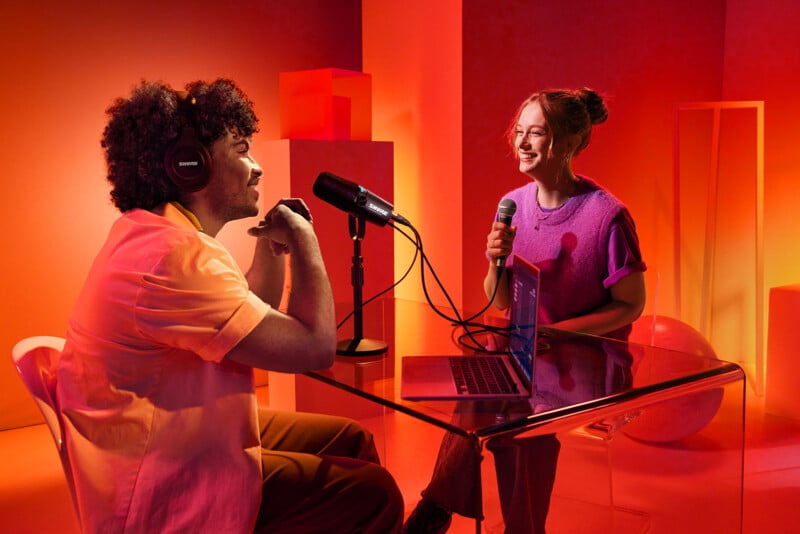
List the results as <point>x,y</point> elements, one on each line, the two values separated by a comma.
<point>142,127</point>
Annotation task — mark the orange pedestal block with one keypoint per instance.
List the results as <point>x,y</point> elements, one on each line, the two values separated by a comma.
<point>783,349</point>
<point>291,167</point>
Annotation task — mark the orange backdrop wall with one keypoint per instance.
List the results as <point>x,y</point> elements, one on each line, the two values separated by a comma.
<point>647,58</point>
<point>413,51</point>
<point>446,75</point>
<point>62,64</point>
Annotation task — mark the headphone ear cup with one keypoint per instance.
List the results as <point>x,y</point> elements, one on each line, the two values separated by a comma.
<point>188,163</point>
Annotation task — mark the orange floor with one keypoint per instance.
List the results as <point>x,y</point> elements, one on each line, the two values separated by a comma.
<point>34,498</point>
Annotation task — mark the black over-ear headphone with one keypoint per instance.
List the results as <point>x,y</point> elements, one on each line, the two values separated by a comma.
<point>187,161</point>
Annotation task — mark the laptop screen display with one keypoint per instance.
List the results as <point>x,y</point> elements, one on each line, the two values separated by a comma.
<point>522,318</point>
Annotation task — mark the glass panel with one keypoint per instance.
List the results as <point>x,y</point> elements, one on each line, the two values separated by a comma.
<point>638,436</point>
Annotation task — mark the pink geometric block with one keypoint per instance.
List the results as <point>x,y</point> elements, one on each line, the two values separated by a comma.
<point>333,104</point>
<point>783,346</point>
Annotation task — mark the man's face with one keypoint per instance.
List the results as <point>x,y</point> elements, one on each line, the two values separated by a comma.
<point>234,178</point>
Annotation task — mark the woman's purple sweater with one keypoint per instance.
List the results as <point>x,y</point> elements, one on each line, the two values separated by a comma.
<point>582,248</point>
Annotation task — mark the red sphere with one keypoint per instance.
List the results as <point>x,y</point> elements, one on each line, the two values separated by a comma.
<point>678,418</point>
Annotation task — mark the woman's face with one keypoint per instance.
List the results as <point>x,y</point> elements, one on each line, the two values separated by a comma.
<point>533,141</point>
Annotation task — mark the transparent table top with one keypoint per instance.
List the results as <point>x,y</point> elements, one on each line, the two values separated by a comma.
<point>576,377</point>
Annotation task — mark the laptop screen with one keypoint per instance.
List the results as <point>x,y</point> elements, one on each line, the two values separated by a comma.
<point>522,318</point>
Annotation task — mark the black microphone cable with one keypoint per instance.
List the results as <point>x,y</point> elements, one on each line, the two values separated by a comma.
<point>464,323</point>
<point>468,325</point>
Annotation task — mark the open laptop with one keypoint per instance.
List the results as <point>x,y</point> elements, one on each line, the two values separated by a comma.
<point>442,377</point>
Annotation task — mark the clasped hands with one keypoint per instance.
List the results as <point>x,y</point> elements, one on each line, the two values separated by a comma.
<point>286,217</point>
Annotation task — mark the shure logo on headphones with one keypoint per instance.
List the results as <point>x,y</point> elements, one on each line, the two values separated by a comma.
<point>188,163</point>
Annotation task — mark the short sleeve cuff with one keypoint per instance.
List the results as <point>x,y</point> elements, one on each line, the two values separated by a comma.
<point>241,323</point>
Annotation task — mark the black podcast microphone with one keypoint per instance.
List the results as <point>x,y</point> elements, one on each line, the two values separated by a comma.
<point>505,211</point>
<point>350,197</point>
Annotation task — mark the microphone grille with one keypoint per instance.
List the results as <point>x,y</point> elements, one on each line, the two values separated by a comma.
<point>507,207</point>
<point>335,190</point>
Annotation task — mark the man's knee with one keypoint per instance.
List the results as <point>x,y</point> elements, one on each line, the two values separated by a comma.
<point>363,442</point>
<point>387,499</point>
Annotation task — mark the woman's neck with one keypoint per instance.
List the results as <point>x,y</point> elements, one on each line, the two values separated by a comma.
<point>554,193</point>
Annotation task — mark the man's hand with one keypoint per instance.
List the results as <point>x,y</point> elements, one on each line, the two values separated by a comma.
<point>281,222</point>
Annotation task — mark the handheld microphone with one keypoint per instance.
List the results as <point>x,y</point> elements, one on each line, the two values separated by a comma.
<point>505,211</point>
<point>354,199</point>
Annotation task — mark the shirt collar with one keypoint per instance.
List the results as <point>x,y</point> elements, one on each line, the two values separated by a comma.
<point>186,213</point>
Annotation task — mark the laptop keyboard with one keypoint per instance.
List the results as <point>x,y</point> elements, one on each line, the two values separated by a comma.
<point>481,375</point>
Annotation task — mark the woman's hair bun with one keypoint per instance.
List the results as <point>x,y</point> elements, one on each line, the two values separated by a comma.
<point>595,105</point>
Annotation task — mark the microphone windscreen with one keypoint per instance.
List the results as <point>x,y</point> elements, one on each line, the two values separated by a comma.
<point>336,191</point>
<point>506,210</point>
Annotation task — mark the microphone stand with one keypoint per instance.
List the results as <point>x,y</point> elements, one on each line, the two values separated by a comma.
<point>357,345</point>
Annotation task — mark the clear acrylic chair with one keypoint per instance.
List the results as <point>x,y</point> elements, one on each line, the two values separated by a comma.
<point>36,360</point>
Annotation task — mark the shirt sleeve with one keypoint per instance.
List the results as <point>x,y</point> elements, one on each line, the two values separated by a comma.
<point>197,299</point>
<point>624,255</point>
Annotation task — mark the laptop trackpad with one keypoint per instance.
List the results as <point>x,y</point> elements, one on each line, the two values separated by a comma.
<point>426,375</point>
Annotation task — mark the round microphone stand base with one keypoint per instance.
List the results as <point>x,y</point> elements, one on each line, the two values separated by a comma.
<point>361,347</point>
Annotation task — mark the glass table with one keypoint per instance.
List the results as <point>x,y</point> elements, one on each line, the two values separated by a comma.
<point>651,440</point>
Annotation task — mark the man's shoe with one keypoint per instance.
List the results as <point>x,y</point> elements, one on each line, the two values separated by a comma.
<point>428,518</point>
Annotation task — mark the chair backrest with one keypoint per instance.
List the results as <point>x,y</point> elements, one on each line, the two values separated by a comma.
<point>36,360</point>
